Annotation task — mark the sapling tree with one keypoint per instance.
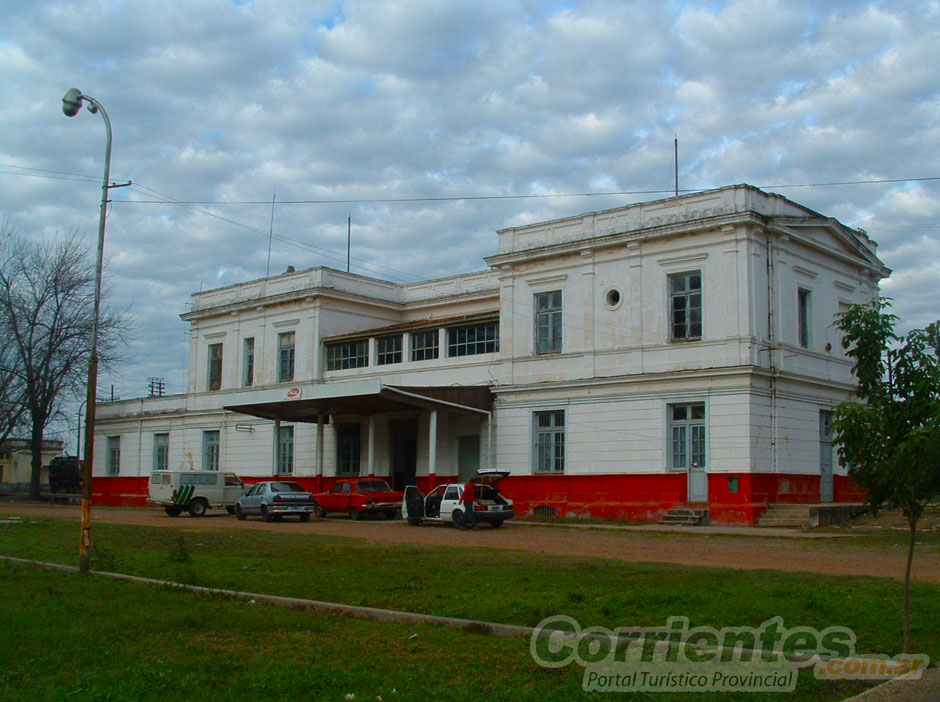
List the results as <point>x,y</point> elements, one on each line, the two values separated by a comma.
<point>890,438</point>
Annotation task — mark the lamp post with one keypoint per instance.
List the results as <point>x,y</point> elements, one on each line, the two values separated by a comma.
<point>78,433</point>
<point>71,104</point>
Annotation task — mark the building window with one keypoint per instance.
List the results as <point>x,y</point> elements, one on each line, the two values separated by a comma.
<point>114,455</point>
<point>347,449</point>
<point>248,378</point>
<point>424,345</point>
<point>803,316</point>
<point>685,291</point>
<point>285,357</point>
<point>388,349</point>
<point>549,441</point>
<point>215,366</point>
<point>210,450</point>
<point>285,451</point>
<point>687,434</point>
<point>548,322</point>
<point>347,354</point>
<point>161,451</point>
<point>473,339</point>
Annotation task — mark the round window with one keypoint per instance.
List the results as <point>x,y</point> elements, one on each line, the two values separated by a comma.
<point>613,298</point>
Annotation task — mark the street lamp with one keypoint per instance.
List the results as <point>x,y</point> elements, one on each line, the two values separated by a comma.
<point>71,104</point>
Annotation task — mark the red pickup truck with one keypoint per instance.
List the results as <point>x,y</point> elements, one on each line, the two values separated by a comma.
<point>358,496</point>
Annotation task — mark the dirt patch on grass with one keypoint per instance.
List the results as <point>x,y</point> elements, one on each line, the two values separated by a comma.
<point>834,557</point>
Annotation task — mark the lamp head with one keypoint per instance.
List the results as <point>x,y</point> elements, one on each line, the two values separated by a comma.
<point>72,102</point>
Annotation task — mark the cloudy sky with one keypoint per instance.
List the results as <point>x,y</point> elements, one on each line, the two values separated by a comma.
<point>421,119</point>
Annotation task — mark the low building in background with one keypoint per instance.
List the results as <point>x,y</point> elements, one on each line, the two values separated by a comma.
<point>16,458</point>
<point>616,363</point>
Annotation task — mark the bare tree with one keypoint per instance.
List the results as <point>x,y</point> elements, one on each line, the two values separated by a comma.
<point>12,397</point>
<point>47,304</point>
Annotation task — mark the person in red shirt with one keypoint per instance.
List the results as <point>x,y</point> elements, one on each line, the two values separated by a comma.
<point>466,499</point>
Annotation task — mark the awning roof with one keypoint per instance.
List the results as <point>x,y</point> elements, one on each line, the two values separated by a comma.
<point>305,403</point>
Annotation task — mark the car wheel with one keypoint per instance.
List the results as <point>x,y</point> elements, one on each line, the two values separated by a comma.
<point>266,515</point>
<point>197,508</point>
<point>459,518</point>
<point>230,509</point>
<point>318,511</point>
<point>305,517</point>
<point>173,511</point>
<point>239,513</point>
<point>413,521</point>
<point>496,523</point>
<point>354,514</point>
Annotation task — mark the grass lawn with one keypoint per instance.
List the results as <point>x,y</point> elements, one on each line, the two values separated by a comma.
<point>146,641</point>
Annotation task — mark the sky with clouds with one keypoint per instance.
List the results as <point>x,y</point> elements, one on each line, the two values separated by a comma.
<point>421,120</point>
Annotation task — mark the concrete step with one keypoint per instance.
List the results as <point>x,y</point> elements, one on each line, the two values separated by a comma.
<point>785,515</point>
<point>685,516</point>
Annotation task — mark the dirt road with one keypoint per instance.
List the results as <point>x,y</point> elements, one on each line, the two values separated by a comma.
<point>834,557</point>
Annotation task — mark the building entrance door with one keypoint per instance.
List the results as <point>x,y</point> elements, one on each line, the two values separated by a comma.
<point>698,484</point>
<point>468,456</point>
<point>404,453</point>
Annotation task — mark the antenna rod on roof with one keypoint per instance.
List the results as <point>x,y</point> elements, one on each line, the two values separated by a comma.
<point>348,239</point>
<point>675,149</point>
<point>267,271</point>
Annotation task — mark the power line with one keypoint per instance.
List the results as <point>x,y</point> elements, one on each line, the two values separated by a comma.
<point>65,175</point>
<point>340,258</point>
<point>471,198</point>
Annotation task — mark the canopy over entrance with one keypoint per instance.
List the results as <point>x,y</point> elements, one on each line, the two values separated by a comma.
<point>305,403</point>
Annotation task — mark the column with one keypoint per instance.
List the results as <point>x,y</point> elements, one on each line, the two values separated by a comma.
<point>274,448</point>
<point>432,448</point>
<point>371,447</point>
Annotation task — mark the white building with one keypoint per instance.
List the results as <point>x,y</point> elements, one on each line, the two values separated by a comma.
<point>618,363</point>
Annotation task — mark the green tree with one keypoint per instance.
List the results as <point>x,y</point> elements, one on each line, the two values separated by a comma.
<point>890,440</point>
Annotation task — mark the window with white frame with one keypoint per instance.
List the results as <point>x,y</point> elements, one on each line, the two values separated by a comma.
<point>424,345</point>
<point>472,339</point>
<point>161,451</point>
<point>210,450</point>
<point>114,455</point>
<point>687,435</point>
<point>248,374</point>
<point>685,305</point>
<point>548,450</point>
<point>285,357</point>
<point>803,316</point>
<point>214,374</point>
<point>348,446</point>
<point>548,322</point>
<point>388,349</point>
<point>285,450</point>
<point>347,354</point>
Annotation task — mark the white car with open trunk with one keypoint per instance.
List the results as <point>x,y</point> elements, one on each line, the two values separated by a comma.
<point>442,504</point>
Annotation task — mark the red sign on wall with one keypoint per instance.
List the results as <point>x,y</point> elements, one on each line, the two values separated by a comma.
<point>293,394</point>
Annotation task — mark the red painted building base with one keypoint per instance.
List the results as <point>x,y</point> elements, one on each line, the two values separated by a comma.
<point>733,498</point>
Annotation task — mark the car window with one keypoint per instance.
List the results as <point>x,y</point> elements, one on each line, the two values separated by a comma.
<point>372,486</point>
<point>438,491</point>
<point>257,489</point>
<point>347,488</point>
<point>451,493</point>
<point>232,479</point>
<point>337,488</point>
<point>155,479</point>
